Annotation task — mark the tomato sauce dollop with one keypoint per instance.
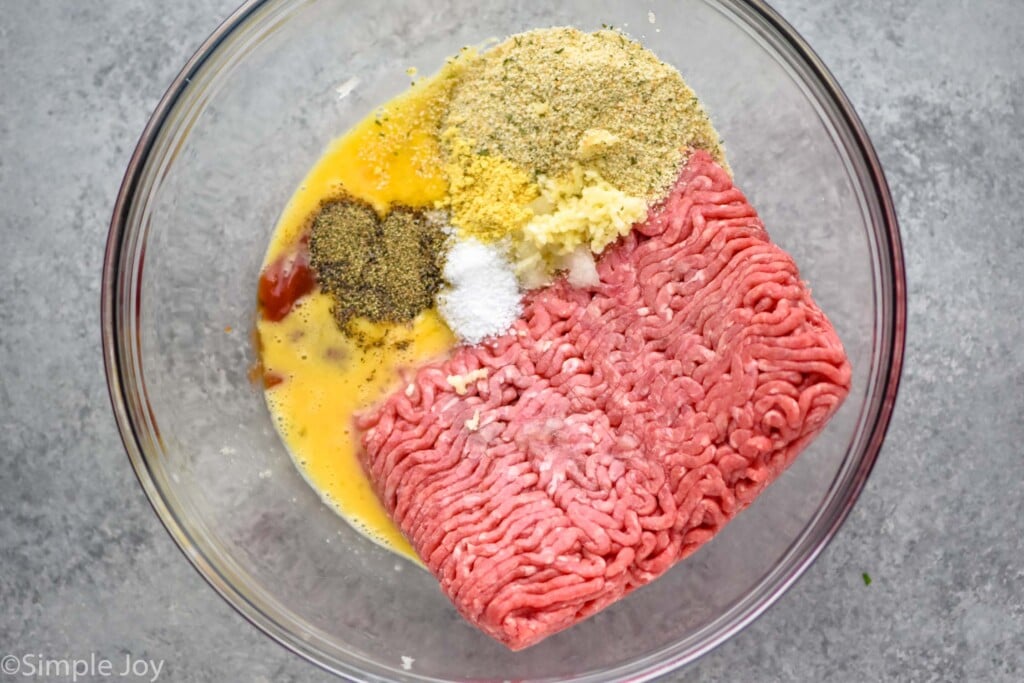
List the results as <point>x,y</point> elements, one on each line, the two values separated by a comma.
<point>284,282</point>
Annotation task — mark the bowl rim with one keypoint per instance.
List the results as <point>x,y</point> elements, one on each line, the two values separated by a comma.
<point>647,669</point>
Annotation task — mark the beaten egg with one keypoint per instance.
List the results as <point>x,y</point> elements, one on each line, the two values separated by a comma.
<point>318,378</point>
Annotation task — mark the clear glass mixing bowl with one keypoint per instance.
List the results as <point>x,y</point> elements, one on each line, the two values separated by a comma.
<point>227,146</point>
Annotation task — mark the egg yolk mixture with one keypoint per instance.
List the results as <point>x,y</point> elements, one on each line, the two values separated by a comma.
<point>316,376</point>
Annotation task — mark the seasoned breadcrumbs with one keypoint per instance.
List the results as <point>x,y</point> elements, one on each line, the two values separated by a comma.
<point>549,98</point>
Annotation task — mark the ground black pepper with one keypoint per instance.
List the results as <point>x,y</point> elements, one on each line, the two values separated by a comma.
<point>382,269</point>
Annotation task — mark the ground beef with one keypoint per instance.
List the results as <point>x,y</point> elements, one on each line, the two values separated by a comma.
<point>612,431</point>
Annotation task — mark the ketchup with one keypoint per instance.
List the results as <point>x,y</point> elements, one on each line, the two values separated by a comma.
<point>271,379</point>
<point>283,282</point>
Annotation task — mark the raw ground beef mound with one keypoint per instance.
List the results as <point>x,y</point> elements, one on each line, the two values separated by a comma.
<point>617,429</point>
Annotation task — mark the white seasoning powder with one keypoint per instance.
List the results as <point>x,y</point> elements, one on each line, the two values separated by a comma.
<point>482,298</point>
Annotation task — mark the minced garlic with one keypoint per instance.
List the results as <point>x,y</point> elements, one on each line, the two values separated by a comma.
<point>580,210</point>
<point>460,382</point>
<point>585,209</point>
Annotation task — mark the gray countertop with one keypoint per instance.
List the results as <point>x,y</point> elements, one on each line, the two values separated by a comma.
<point>87,567</point>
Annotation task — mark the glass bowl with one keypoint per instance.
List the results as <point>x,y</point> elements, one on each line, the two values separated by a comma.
<point>228,144</point>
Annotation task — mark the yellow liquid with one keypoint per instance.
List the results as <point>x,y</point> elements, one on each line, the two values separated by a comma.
<point>392,156</point>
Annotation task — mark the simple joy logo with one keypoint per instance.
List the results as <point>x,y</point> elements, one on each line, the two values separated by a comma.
<point>36,665</point>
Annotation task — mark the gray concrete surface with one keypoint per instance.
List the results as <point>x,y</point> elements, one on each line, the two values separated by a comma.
<point>86,567</point>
